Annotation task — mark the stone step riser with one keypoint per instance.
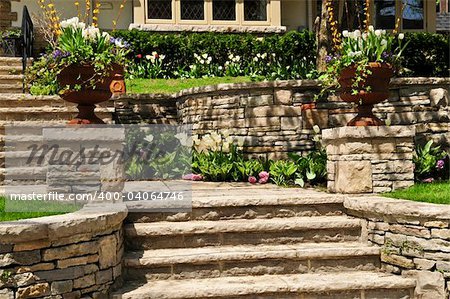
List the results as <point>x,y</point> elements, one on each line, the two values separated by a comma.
<point>354,294</point>
<point>241,238</point>
<point>17,82</point>
<point>14,116</point>
<point>10,71</point>
<point>9,89</point>
<point>42,104</point>
<point>251,267</point>
<point>252,212</point>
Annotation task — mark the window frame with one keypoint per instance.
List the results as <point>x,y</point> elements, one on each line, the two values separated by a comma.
<point>160,21</point>
<point>268,13</point>
<point>224,22</point>
<point>179,20</point>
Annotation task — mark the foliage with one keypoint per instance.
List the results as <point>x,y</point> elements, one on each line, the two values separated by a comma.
<point>10,33</point>
<point>156,153</point>
<point>195,55</point>
<point>283,172</point>
<point>430,162</point>
<point>438,193</point>
<point>427,55</point>
<point>311,168</point>
<point>358,50</point>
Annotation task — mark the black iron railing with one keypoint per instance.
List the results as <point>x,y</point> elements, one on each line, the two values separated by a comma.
<point>27,39</point>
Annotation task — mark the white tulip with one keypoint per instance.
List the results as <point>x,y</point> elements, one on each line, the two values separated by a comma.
<point>371,28</point>
<point>384,42</point>
<point>383,31</point>
<point>401,36</point>
<point>345,33</point>
<point>357,33</point>
<point>378,32</point>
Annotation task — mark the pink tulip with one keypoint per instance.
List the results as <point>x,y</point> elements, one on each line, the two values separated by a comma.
<point>252,180</point>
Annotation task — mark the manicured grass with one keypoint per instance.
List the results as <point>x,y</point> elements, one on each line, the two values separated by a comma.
<point>433,193</point>
<point>168,86</point>
<point>10,216</point>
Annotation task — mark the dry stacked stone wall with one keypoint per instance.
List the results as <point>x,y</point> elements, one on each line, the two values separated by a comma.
<point>275,118</point>
<point>76,255</point>
<point>414,237</point>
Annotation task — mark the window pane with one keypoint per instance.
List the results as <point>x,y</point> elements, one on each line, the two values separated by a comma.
<point>224,10</point>
<point>192,9</point>
<point>160,9</point>
<point>385,14</point>
<point>255,10</point>
<point>413,14</point>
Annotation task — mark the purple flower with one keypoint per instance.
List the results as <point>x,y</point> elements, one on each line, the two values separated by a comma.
<point>440,164</point>
<point>328,58</point>
<point>386,55</point>
<point>60,54</point>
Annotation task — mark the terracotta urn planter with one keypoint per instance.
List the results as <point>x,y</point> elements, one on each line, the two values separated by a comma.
<point>378,81</point>
<point>87,96</point>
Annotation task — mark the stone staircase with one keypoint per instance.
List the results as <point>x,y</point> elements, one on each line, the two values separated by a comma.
<point>11,78</point>
<point>247,242</point>
<point>28,115</point>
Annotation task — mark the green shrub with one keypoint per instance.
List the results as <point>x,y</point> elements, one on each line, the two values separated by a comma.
<point>431,162</point>
<point>291,55</point>
<point>427,55</point>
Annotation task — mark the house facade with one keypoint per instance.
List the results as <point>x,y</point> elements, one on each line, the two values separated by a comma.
<point>239,15</point>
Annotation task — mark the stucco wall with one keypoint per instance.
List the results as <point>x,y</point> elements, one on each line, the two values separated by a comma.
<point>68,10</point>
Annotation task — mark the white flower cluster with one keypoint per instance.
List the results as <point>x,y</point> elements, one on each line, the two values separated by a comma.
<point>74,23</point>
<point>216,141</point>
<point>260,56</point>
<point>203,59</point>
<point>357,33</point>
<point>155,56</point>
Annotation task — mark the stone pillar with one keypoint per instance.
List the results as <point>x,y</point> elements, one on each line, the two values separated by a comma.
<point>369,159</point>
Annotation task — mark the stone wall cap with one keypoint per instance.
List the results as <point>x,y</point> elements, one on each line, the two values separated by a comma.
<point>399,82</point>
<point>92,218</point>
<point>381,206</point>
<point>368,132</point>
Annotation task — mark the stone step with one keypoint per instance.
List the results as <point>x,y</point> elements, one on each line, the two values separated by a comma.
<point>208,262</point>
<point>356,284</point>
<point>21,159</point>
<point>11,79</point>
<point>245,203</point>
<point>239,232</point>
<point>23,173</point>
<point>10,70</point>
<point>11,88</point>
<point>11,61</point>
<point>47,113</point>
<point>27,100</point>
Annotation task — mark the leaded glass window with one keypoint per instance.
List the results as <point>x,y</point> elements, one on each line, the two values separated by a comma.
<point>413,14</point>
<point>385,14</point>
<point>159,9</point>
<point>224,10</point>
<point>192,9</point>
<point>255,10</point>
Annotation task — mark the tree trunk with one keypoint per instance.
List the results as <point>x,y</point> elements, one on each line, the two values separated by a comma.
<point>323,38</point>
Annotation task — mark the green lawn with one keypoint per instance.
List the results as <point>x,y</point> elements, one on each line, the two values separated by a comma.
<point>10,216</point>
<point>168,86</point>
<point>433,193</point>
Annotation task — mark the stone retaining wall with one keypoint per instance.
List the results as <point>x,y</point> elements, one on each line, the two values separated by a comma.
<point>277,117</point>
<point>415,239</point>
<point>68,256</point>
<point>6,16</point>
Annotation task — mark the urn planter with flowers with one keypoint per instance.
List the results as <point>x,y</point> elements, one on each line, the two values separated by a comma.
<point>91,68</point>
<point>362,69</point>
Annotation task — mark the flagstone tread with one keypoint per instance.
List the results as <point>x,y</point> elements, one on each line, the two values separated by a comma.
<point>251,225</point>
<point>231,287</point>
<point>301,251</point>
